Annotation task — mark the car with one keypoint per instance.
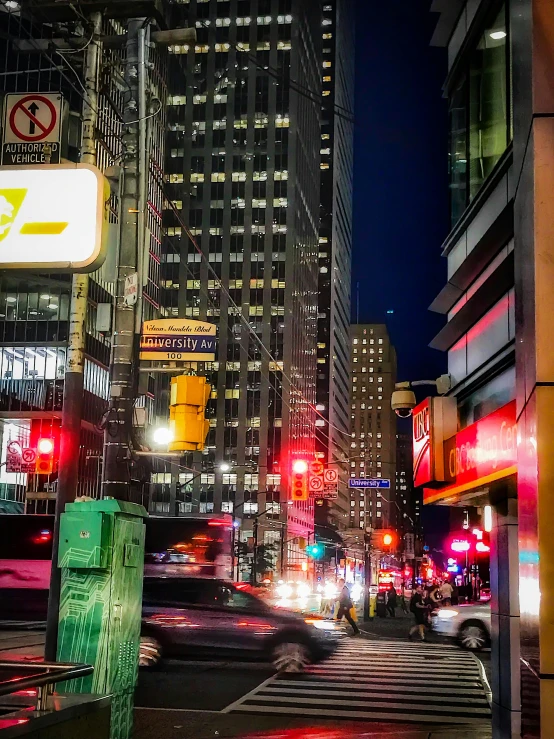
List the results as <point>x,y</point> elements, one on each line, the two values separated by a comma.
<point>469,624</point>
<point>210,617</point>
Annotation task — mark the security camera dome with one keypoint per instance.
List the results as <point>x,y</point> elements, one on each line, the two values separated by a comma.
<point>403,402</point>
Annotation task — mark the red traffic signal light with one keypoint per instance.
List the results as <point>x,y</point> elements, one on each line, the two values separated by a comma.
<point>299,480</point>
<point>384,539</point>
<point>299,466</point>
<point>45,456</point>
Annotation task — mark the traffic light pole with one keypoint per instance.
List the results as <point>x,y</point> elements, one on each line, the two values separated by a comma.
<point>70,437</point>
<point>367,575</point>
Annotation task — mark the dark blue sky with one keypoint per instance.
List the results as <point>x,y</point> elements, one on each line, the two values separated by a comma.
<point>400,178</point>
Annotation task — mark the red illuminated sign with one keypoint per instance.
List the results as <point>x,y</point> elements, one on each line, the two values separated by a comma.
<point>484,447</point>
<point>481,453</point>
<point>422,444</point>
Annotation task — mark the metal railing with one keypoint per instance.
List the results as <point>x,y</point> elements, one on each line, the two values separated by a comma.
<point>16,675</point>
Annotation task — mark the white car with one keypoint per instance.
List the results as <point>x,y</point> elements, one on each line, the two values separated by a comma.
<point>469,624</point>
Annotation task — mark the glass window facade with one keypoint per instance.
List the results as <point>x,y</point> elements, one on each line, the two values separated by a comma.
<point>480,113</point>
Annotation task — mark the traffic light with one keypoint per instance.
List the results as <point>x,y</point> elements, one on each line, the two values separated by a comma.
<point>44,464</point>
<point>299,480</point>
<point>314,550</point>
<point>384,539</point>
<point>187,424</point>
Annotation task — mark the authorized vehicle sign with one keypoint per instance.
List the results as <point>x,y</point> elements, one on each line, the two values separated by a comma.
<point>31,123</point>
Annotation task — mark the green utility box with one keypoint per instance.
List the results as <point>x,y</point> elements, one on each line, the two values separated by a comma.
<point>101,555</point>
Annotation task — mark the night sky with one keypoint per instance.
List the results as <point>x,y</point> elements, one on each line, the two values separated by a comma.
<point>400,178</point>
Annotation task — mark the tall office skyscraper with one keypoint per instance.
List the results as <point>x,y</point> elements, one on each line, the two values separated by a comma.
<point>244,124</point>
<point>373,424</point>
<point>335,245</point>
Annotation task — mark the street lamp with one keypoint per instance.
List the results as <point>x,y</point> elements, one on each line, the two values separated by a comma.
<point>225,467</point>
<point>162,436</point>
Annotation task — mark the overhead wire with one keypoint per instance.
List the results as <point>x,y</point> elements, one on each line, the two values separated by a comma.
<point>218,280</point>
<point>298,87</point>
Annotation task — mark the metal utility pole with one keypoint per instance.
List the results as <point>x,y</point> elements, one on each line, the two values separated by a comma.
<point>367,574</point>
<point>124,370</point>
<point>75,357</point>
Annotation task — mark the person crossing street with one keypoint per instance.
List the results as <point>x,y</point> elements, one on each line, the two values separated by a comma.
<point>345,605</point>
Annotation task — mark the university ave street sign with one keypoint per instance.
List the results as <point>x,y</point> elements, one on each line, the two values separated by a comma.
<point>368,482</point>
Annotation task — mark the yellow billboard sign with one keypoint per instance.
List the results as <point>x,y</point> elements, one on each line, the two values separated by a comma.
<point>52,217</point>
<point>178,339</point>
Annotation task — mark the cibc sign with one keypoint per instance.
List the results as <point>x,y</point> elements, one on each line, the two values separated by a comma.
<point>434,420</point>
<point>485,448</point>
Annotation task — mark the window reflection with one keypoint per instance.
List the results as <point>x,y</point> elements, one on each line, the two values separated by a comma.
<point>479,109</point>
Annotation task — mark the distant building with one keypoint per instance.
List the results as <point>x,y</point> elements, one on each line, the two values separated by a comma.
<point>335,247</point>
<point>373,425</point>
<point>244,148</point>
<point>407,497</point>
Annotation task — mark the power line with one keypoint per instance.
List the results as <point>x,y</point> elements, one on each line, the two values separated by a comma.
<point>240,314</point>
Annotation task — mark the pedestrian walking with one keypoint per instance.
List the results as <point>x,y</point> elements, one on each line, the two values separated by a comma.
<point>419,608</point>
<point>345,604</point>
<point>403,604</point>
<point>391,600</point>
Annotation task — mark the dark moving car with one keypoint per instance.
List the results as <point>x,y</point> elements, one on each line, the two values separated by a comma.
<point>182,617</point>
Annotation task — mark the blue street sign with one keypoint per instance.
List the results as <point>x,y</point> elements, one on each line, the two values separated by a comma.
<point>368,482</point>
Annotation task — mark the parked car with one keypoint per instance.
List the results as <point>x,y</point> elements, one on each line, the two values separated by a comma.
<point>469,624</point>
<point>183,617</point>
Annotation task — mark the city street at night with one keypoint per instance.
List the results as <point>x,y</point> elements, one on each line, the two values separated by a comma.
<point>379,684</point>
<point>276,358</point>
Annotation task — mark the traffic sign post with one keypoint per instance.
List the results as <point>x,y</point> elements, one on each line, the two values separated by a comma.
<point>369,482</point>
<point>31,129</point>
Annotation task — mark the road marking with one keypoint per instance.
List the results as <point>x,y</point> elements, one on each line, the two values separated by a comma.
<point>377,681</point>
<point>251,693</point>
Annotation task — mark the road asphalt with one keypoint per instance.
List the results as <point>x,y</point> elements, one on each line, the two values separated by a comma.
<point>205,700</point>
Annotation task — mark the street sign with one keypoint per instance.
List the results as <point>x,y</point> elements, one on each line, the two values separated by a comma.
<point>368,482</point>
<point>180,339</point>
<point>315,484</point>
<point>331,476</point>
<point>31,122</point>
<point>28,460</point>
<point>130,290</point>
<point>53,217</point>
<point>316,468</point>
<point>329,492</point>
<point>13,456</point>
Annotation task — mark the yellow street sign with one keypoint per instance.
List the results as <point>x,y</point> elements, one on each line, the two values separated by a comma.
<point>52,217</point>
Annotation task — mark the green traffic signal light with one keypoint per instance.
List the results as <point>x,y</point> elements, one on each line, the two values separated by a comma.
<point>314,550</point>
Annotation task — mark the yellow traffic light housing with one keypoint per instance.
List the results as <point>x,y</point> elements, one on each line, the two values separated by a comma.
<point>187,423</point>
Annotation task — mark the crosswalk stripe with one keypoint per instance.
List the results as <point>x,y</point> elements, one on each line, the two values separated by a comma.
<point>428,718</point>
<point>366,704</point>
<point>480,700</point>
<point>403,683</point>
<point>385,687</point>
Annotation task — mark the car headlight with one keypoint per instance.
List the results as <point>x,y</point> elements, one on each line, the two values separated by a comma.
<point>284,591</point>
<point>321,624</point>
<point>446,613</point>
